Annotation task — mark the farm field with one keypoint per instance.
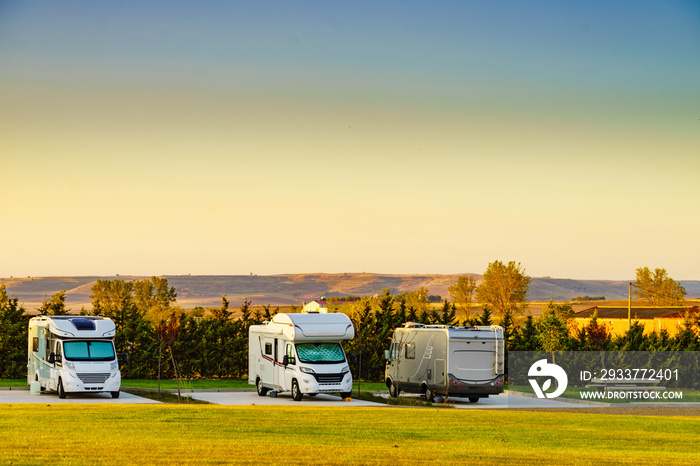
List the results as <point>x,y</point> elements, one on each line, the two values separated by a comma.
<point>160,434</point>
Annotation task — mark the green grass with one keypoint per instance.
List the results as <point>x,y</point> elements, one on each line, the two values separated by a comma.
<point>13,383</point>
<point>218,384</point>
<point>163,396</point>
<point>207,434</point>
<point>198,384</point>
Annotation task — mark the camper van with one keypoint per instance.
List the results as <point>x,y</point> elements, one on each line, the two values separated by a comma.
<point>301,354</point>
<point>445,360</point>
<point>71,354</point>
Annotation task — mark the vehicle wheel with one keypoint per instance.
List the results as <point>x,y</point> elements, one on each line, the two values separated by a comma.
<point>429,395</point>
<point>262,391</point>
<point>115,394</point>
<point>473,399</point>
<point>61,391</point>
<point>296,393</point>
<point>394,390</point>
<point>345,394</point>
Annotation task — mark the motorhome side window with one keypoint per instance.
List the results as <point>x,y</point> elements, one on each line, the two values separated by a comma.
<point>35,344</point>
<point>268,349</point>
<point>394,351</point>
<point>290,353</point>
<point>410,351</point>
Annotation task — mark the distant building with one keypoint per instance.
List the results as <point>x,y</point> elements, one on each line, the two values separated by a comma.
<point>653,318</point>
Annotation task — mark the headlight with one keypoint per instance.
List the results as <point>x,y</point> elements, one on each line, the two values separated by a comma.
<point>306,370</point>
<point>345,370</point>
<point>69,365</point>
<point>113,366</point>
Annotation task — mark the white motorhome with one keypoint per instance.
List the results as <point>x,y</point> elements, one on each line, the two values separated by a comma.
<point>70,354</point>
<point>445,360</point>
<point>301,354</point>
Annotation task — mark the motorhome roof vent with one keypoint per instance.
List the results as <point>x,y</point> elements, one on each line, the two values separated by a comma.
<point>83,324</point>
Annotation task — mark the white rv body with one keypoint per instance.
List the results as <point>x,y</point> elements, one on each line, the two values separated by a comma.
<point>445,360</point>
<point>301,354</point>
<point>73,354</point>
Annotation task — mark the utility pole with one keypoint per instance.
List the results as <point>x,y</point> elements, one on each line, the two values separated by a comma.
<point>629,306</point>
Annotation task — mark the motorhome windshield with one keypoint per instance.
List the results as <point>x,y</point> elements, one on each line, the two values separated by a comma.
<point>328,353</point>
<point>88,350</point>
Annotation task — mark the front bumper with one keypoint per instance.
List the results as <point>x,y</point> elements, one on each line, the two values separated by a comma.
<point>91,382</point>
<point>326,383</point>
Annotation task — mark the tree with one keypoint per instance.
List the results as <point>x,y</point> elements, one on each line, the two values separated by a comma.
<point>222,313</point>
<point>552,329</point>
<point>13,337</point>
<point>54,306</point>
<point>658,289</point>
<point>504,288</point>
<point>462,293</point>
<point>594,336</point>
<point>167,331</point>
<point>418,300</point>
<point>154,296</point>
<point>114,299</point>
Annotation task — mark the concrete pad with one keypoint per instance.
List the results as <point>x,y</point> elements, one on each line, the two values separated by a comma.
<point>24,396</point>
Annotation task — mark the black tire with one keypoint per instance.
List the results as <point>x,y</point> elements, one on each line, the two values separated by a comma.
<point>262,391</point>
<point>429,394</point>
<point>394,390</point>
<point>296,393</point>
<point>60,390</point>
<point>345,395</point>
<point>115,394</point>
<point>473,399</point>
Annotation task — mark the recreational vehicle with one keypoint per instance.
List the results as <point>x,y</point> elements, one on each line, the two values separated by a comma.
<point>70,354</point>
<point>445,360</point>
<point>301,354</point>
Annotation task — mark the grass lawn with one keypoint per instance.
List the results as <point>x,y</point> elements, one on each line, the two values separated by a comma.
<point>207,434</point>
<point>219,384</point>
<point>13,383</point>
<point>199,384</point>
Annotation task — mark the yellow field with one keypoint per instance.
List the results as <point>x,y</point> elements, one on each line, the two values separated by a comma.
<point>171,434</point>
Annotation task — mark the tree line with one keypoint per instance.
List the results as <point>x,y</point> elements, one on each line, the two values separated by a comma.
<point>155,338</point>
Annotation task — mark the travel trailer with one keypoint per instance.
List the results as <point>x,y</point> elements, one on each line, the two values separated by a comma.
<point>445,360</point>
<point>71,354</point>
<point>301,354</point>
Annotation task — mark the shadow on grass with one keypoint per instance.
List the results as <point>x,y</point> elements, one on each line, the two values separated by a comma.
<point>414,401</point>
<point>163,396</point>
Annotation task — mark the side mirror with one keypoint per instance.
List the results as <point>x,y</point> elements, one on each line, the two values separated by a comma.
<point>285,360</point>
<point>352,358</point>
<point>52,358</point>
<point>122,358</point>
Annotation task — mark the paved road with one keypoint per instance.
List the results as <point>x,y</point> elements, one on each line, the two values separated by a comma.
<point>251,397</point>
<point>24,396</point>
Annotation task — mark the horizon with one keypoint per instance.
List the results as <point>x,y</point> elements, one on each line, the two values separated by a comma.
<point>247,137</point>
<point>131,275</point>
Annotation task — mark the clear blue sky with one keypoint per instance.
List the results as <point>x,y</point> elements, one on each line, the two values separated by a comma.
<point>220,137</point>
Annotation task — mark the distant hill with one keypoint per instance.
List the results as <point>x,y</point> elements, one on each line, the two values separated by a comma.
<point>280,290</point>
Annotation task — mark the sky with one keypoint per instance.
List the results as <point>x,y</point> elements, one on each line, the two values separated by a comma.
<point>269,137</point>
